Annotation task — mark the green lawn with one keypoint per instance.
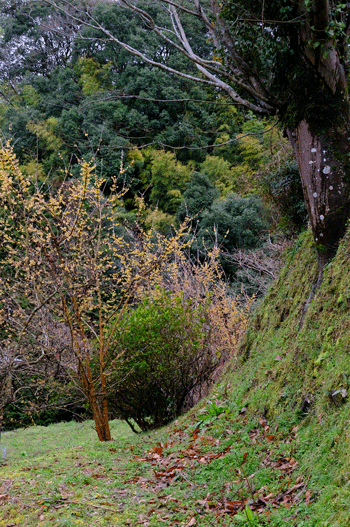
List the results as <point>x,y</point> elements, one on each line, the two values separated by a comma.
<point>211,467</point>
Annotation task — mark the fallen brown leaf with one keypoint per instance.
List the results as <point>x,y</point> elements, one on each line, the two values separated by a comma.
<point>308,496</point>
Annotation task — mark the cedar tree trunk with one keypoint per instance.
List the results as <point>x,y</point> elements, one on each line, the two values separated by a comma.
<point>319,130</point>
<point>323,162</point>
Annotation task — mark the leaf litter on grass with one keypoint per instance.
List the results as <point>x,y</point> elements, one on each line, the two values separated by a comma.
<point>183,475</point>
<point>172,467</point>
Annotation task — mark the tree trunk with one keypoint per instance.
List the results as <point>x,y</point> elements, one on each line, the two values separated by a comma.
<point>323,162</point>
<point>101,423</point>
<point>319,130</point>
<point>100,417</point>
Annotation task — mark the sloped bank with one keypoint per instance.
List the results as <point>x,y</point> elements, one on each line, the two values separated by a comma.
<point>299,378</point>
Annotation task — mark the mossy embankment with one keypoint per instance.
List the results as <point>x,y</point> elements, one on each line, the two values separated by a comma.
<point>300,377</point>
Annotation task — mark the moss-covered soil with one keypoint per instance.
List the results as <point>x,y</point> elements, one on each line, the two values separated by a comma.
<point>269,446</point>
<point>302,376</point>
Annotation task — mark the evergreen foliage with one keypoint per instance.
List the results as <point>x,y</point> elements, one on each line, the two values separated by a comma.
<point>162,354</point>
<point>235,222</point>
<point>197,198</point>
<point>169,180</point>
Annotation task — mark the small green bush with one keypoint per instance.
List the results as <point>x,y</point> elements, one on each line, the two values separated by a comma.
<point>236,222</point>
<point>233,223</point>
<point>160,361</point>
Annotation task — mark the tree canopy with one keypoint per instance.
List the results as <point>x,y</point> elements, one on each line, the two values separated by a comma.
<point>278,58</point>
<point>286,58</point>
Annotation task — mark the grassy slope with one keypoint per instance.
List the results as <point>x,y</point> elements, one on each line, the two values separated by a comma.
<point>291,374</point>
<point>270,436</point>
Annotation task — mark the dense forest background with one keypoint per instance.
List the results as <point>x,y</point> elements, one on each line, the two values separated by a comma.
<point>64,99</point>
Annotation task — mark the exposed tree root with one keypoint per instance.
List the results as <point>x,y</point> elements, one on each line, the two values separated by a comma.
<point>321,262</point>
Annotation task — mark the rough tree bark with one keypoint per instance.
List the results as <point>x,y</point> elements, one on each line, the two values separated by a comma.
<point>320,139</point>
<point>324,170</point>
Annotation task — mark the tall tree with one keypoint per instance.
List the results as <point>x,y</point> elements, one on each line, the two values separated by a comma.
<point>284,57</point>
<point>27,45</point>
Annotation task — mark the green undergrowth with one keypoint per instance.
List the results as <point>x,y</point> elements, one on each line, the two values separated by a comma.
<point>268,447</point>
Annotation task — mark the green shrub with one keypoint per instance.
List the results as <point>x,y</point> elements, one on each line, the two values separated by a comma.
<point>236,222</point>
<point>160,361</point>
<point>232,223</point>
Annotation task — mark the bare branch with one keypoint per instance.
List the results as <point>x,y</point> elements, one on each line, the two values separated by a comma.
<point>212,71</point>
